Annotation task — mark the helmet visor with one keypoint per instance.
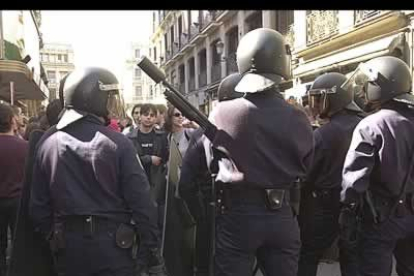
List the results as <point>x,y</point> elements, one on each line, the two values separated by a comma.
<point>358,81</point>
<point>318,100</point>
<point>115,105</point>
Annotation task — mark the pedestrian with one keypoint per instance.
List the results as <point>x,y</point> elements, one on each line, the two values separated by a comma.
<point>31,252</point>
<point>135,119</point>
<point>13,152</point>
<point>179,225</point>
<point>90,195</point>
<point>257,200</point>
<point>377,184</point>
<point>320,203</point>
<point>152,148</point>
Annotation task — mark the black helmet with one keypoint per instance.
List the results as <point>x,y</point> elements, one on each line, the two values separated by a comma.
<point>226,88</point>
<point>263,57</point>
<point>327,95</point>
<point>380,80</point>
<point>89,91</point>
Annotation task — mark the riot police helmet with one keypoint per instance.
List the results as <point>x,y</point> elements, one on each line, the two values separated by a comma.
<point>263,57</point>
<point>90,91</point>
<point>226,88</point>
<point>327,96</point>
<point>380,80</point>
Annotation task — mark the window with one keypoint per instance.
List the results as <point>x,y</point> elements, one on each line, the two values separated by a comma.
<point>138,91</point>
<point>51,75</point>
<point>65,58</point>
<point>155,54</point>
<point>137,72</point>
<point>137,53</point>
<point>59,57</point>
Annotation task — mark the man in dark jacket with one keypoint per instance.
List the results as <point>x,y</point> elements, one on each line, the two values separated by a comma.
<point>13,153</point>
<point>152,148</point>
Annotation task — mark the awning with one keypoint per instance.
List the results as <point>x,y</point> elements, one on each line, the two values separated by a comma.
<point>380,47</point>
<point>24,86</point>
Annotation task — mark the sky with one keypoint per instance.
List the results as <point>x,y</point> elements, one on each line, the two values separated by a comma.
<point>98,38</point>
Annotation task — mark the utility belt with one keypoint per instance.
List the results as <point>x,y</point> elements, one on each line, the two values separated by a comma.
<point>126,235</point>
<point>378,208</point>
<point>326,193</point>
<point>271,199</point>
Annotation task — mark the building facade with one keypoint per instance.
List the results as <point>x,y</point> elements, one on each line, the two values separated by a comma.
<point>21,77</point>
<point>196,49</point>
<point>57,60</point>
<point>138,88</point>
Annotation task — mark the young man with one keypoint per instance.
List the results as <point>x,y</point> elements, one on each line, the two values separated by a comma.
<point>13,151</point>
<point>152,147</point>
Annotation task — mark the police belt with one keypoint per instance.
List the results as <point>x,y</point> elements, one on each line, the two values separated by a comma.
<point>272,199</point>
<point>89,224</point>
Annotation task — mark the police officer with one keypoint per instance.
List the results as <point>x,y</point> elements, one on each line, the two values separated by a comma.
<point>319,219</point>
<point>90,195</point>
<point>378,169</point>
<point>195,181</point>
<point>270,145</point>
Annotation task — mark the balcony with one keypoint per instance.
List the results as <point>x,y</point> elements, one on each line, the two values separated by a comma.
<point>191,84</point>
<point>290,35</point>
<point>231,63</point>
<point>208,18</point>
<point>361,16</point>
<point>175,48</point>
<point>181,87</point>
<point>202,78</point>
<point>183,40</point>
<point>321,25</point>
<point>216,72</point>
<point>194,31</point>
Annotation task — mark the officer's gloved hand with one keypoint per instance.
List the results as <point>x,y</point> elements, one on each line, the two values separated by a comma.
<point>349,224</point>
<point>156,265</point>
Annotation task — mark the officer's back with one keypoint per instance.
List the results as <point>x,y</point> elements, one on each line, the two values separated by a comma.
<point>265,138</point>
<point>84,160</point>
<point>90,195</point>
<point>269,145</point>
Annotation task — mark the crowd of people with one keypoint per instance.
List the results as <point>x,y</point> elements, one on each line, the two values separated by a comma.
<point>88,191</point>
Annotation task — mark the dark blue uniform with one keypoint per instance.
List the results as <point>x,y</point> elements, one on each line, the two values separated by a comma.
<point>378,161</point>
<point>319,217</point>
<point>195,189</point>
<point>88,178</point>
<point>271,144</point>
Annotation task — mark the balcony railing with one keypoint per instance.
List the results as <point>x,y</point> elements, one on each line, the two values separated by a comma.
<point>194,31</point>
<point>191,84</point>
<point>202,79</point>
<point>168,55</point>
<point>183,40</point>
<point>231,63</point>
<point>175,48</point>
<point>216,72</point>
<point>181,87</point>
<point>365,15</point>
<point>207,19</point>
<point>321,25</point>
